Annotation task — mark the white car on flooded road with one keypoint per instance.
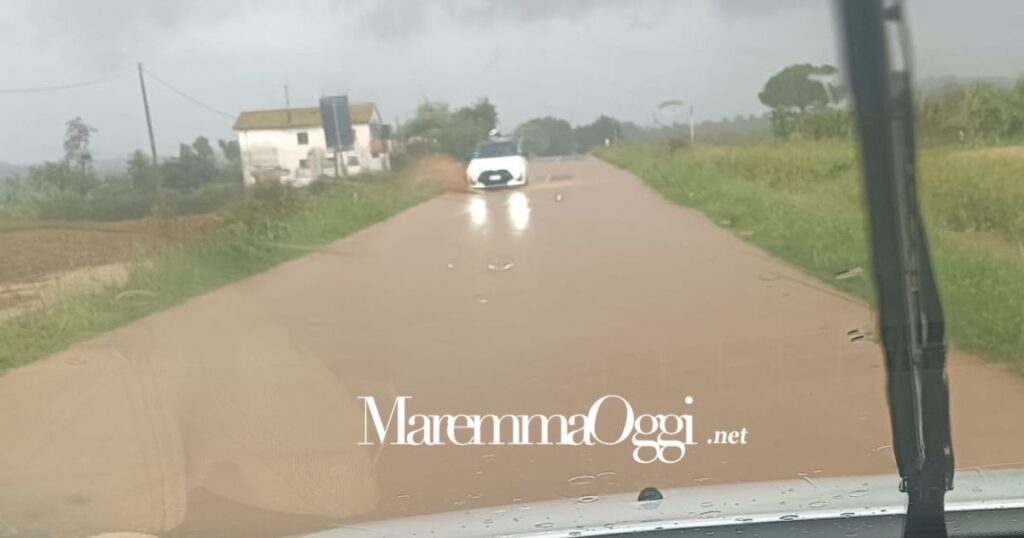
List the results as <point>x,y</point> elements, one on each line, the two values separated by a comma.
<point>497,163</point>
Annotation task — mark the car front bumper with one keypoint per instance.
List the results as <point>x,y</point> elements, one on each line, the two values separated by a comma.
<point>496,178</point>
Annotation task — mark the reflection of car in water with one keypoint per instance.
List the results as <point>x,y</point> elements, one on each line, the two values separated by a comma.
<point>497,163</point>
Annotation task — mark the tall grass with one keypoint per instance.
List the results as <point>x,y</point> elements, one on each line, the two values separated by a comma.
<point>802,202</point>
<point>262,229</point>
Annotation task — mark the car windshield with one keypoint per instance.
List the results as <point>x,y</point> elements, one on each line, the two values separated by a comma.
<point>495,149</point>
<point>252,282</point>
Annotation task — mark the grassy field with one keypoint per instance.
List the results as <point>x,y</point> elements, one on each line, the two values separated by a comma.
<point>262,229</point>
<point>802,202</point>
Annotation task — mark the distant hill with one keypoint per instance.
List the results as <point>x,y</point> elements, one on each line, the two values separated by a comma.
<point>739,126</point>
<point>9,170</point>
<point>110,166</point>
<point>103,167</point>
<point>931,84</point>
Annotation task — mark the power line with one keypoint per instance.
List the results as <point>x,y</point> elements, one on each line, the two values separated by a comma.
<point>189,97</point>
<point>40,89</point>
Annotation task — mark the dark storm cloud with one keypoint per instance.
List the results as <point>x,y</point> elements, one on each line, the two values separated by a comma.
<point>122,27</point>
<point>105,32</point>
<point>498,12</point>
<point>403,18</point>
<point>744,9</point>
<point>572,58</point>
<point>394,19</point>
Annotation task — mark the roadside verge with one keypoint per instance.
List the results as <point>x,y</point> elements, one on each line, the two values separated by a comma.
<point>801,201</point>
<point>266,227</point>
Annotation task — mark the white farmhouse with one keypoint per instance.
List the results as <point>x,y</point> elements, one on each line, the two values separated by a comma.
<point>287,145</point>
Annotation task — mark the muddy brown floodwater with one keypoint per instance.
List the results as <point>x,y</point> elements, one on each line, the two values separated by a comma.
<point>236,413</point>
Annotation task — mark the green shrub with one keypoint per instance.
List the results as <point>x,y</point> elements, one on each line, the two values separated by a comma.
<point>400,160</point>
<point>258,212</point>
<point>204,200</point>
<point>64,206</point>
<point>118,205</point>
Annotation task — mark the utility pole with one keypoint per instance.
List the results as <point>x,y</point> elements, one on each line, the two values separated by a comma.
<point>287,105</point>
<point>157,180</point>
<point>395,140</point>
<point>149,121</point>
<point>692,134</point>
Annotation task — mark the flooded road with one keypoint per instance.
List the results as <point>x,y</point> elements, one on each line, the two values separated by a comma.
<point>238,412</point>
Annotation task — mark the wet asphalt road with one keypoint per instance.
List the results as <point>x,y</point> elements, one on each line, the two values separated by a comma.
<point>236,413</point>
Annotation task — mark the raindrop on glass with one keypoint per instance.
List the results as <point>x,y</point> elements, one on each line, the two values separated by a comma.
<point>499,265</point>
<point>582,480</point>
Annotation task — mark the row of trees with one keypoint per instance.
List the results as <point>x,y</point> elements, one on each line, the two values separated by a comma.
<point>555,136</point>
<point>70,188</point>
<point>804,103</point>
<point>974,112</point>
<point>437,127</point>
<point>195,166</point>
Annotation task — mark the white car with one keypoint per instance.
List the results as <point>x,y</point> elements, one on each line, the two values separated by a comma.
<point>497,163</point>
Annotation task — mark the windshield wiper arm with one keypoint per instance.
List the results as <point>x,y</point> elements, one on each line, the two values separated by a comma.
<point>912,323</point>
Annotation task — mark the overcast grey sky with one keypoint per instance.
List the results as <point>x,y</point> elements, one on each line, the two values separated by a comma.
<point>570,58</point>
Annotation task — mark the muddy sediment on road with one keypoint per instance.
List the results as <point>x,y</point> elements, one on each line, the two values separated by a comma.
<point>440,171</point>
<point>238,413</point>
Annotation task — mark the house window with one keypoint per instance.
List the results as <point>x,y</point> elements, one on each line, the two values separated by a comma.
<point>353,160</point>
<point>304,164</point>
<point>303,138</point>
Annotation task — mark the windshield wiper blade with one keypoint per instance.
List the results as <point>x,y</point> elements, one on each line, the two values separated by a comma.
<point>910,312</point>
